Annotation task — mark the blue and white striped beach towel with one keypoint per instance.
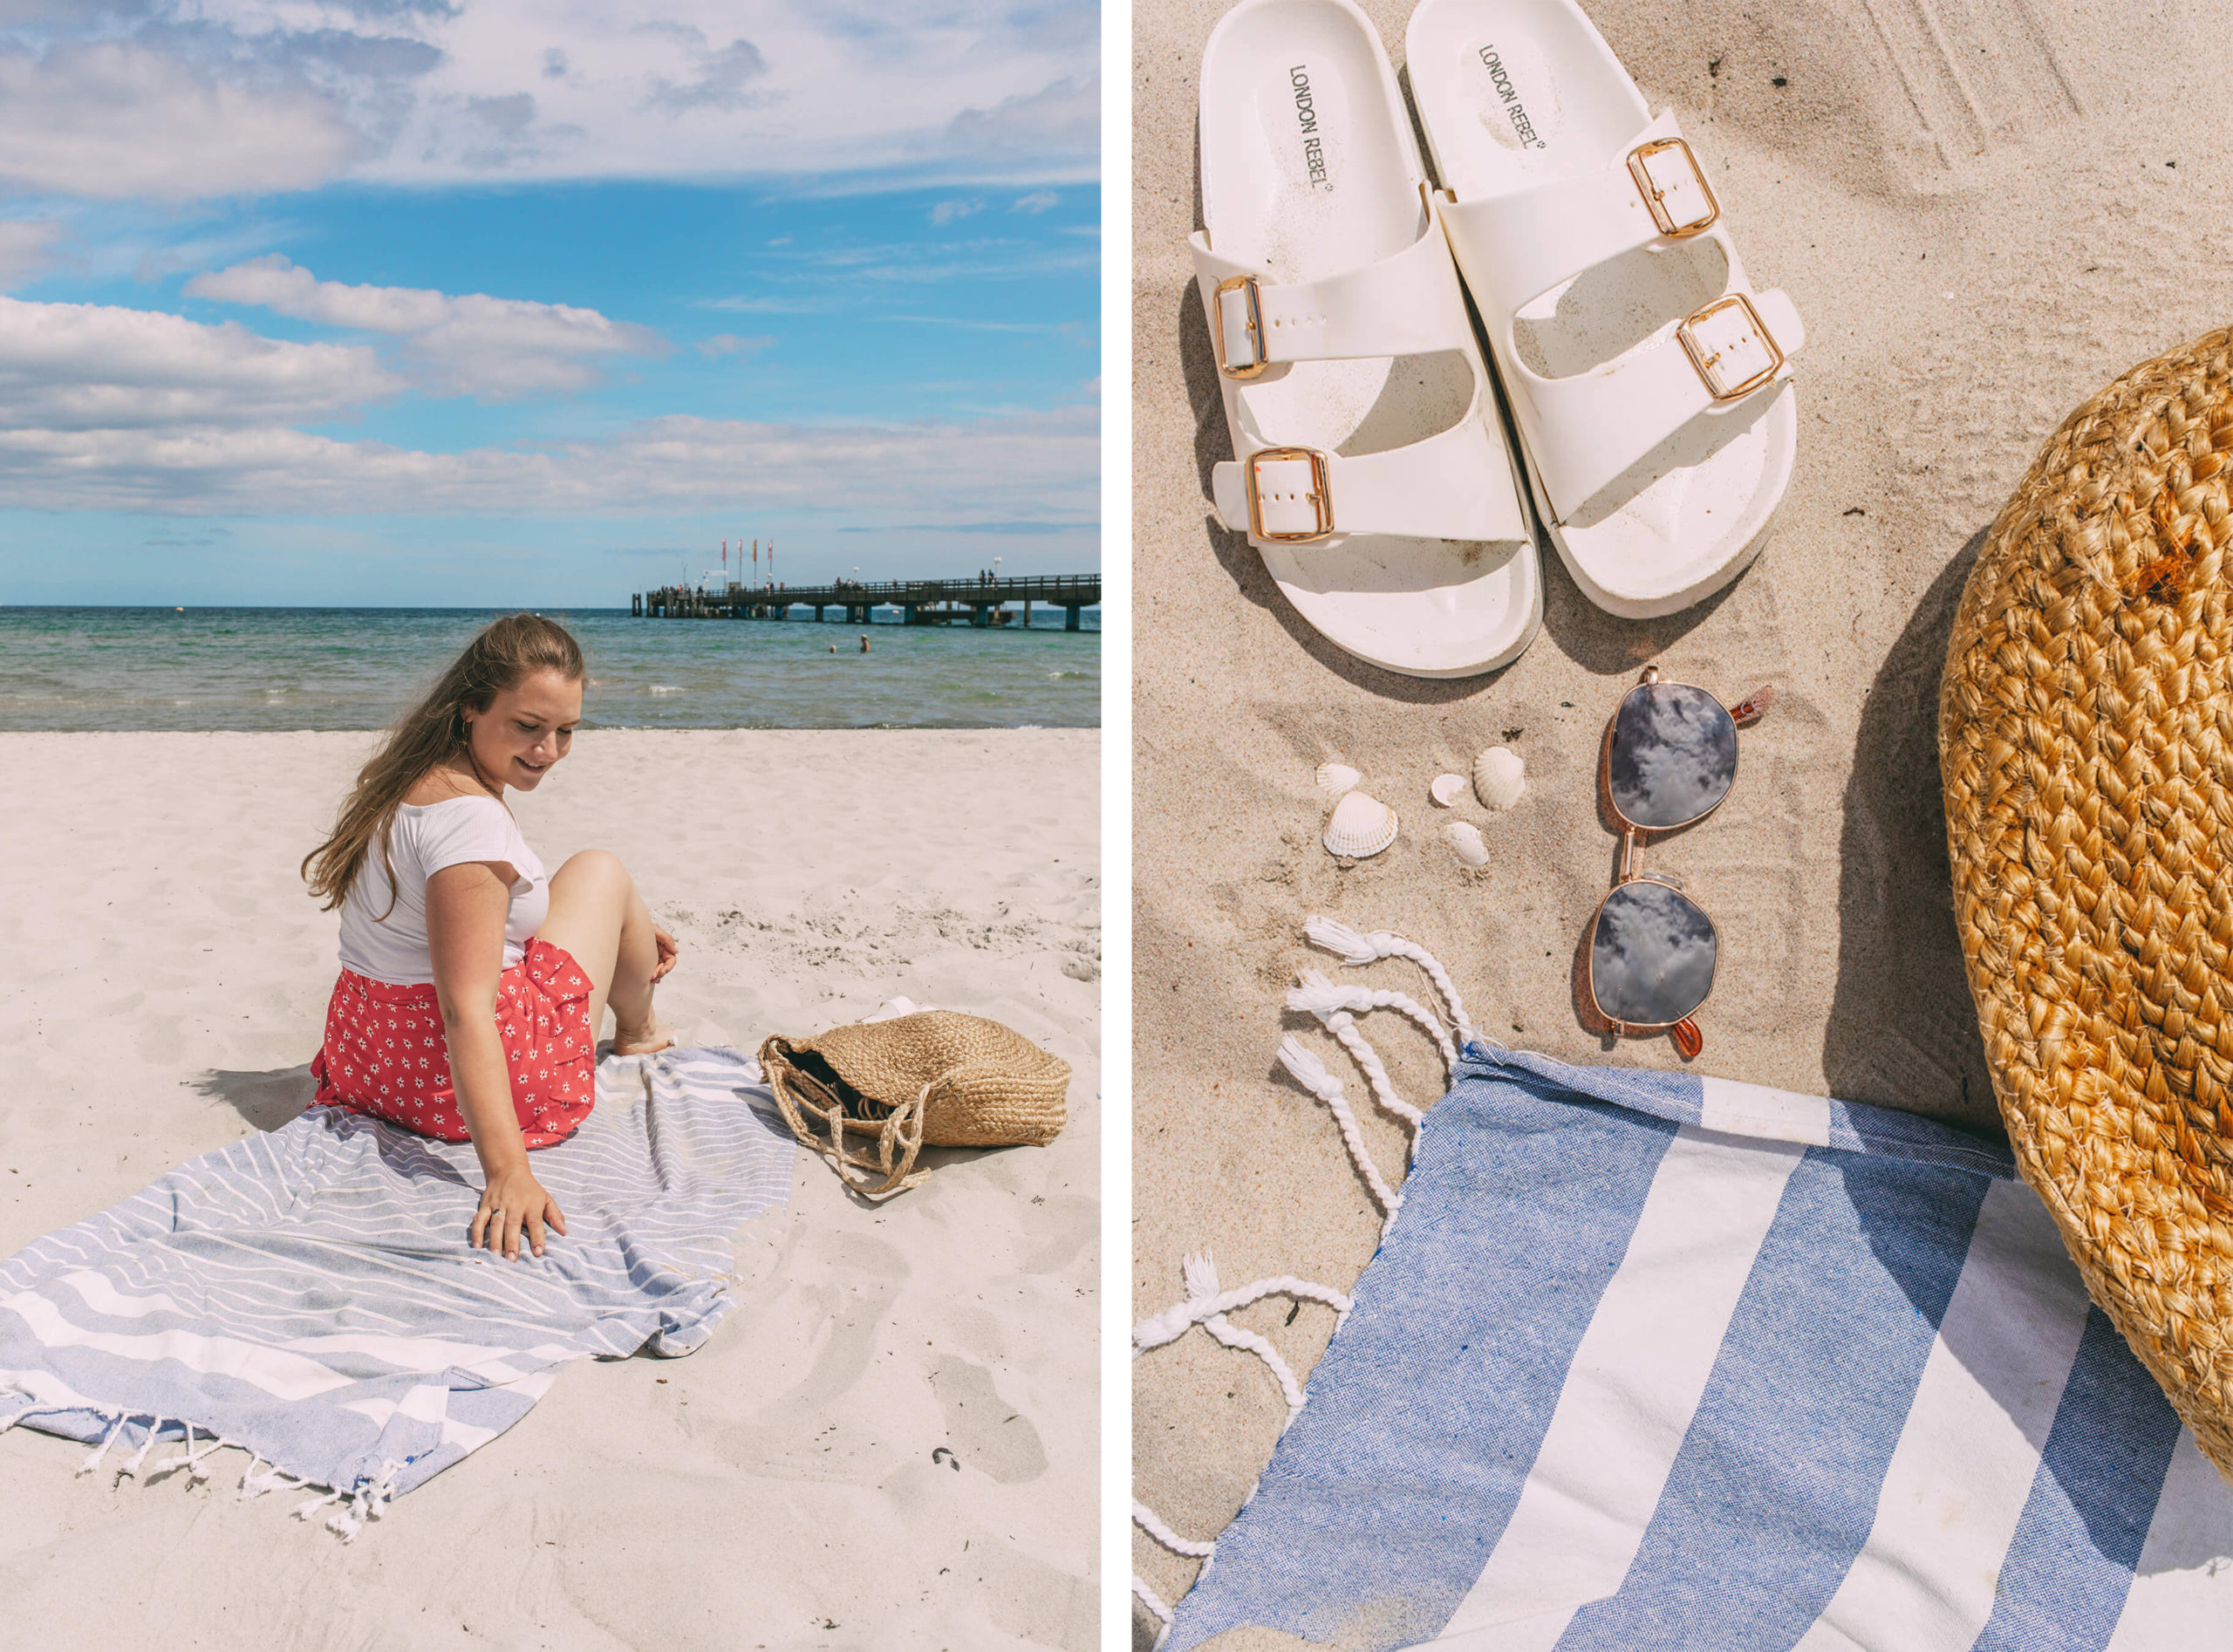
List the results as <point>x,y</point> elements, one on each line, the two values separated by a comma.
<point>1650,1362</point>
<point>307,1294</point>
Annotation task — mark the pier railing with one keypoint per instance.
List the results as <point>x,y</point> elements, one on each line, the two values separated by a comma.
<point>921,602</point>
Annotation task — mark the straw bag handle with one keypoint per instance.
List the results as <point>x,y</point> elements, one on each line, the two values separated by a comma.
<point>901,1128</point>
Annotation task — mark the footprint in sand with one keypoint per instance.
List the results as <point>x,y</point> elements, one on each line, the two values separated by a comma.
<point>984,1430</point>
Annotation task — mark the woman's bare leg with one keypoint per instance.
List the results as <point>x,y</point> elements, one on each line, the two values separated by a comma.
<point>597,915</point>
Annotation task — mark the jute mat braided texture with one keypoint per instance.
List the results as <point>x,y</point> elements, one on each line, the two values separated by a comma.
<point>2085,738</point>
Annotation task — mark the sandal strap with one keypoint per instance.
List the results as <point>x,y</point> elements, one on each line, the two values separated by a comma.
<point>1721,362</point>
<point>1515,247</point>
<point>1407,304</point>
<point>1456,485</point>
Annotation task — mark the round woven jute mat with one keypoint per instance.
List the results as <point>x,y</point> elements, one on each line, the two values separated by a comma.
<point>2085,740</point>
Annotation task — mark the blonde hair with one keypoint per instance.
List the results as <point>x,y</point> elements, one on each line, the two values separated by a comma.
<point>432,733</point>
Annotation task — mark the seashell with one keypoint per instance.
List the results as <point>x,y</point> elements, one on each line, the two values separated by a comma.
<point>1466,838</point>
<point>1334,779</point>
<point>1499,777</point>
<point>1361,825</point>
<point>1447,789</point>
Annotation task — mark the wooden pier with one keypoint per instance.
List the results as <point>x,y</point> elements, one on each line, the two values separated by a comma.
<point>979,603</point>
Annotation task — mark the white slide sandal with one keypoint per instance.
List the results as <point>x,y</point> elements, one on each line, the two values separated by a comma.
<point>1650,383</point>
<point>1370,469</point>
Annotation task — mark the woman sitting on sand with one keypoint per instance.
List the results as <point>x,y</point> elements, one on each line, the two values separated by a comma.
<point>472,986</point>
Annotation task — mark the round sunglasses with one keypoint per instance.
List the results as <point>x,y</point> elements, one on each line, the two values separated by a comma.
<point>1653,951</point>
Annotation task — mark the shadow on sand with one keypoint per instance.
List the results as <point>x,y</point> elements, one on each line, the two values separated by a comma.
<point>1902,1030</point>
<point>265,1100</point>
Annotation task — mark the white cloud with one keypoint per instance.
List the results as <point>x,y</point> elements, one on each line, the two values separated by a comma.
<point>107,408</point>
<point>115,120</point>
<point>719,79</point>
<point>1037,200</point>
<point>1061,117</point>
<point>1029,467</point>
<point>947,211</point>
<point>84,372</point>
<point>466,344</point>
<point>182,99</point>
<point>26,246</point>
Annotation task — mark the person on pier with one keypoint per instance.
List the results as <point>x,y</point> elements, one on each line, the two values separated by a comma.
<point>473,985</point>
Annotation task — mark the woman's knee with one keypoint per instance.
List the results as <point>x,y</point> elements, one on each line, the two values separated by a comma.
<point>598,868</point>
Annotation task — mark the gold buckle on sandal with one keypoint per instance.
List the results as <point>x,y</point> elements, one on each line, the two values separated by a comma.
<point>1655,198</point>
<point>1707,356</point>
<point>1320,499</point>
<point>1252,323</point>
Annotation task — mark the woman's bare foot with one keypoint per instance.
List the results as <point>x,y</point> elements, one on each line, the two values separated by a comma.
<point>644,1041</point>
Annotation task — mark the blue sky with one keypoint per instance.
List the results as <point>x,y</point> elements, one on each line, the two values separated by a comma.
<point>517,301</point>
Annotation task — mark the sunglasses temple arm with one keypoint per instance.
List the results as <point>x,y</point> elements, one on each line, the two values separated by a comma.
<point>1754,705</point>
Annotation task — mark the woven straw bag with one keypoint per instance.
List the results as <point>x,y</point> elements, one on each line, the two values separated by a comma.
<point>934,1078</point>
<point>2085,738</point>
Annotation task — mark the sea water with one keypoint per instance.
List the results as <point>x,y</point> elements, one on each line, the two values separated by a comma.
<point>284,668</point>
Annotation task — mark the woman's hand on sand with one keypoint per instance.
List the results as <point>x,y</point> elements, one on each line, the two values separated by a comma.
<point>514,1201</point>
<point>667,951</point>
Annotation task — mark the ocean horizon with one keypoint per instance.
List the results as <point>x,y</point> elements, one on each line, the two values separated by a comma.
<point>117,669</point>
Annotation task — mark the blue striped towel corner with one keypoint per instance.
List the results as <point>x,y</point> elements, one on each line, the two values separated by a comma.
<point>307,1294</point>
<point>1653,1361</point>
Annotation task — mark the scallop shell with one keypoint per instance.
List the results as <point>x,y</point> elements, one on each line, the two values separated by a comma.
<point>1334,779</point>
<point>1466,838</point>
<point>1361,825</point>
<point>1447,789</point>
<point>1499,777</point>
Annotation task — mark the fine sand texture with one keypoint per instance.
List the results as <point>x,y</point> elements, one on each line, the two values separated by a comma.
<point>1984,212</point>
<point>163,980</point>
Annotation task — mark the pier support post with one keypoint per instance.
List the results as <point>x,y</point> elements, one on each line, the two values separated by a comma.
<point>1070,613</point>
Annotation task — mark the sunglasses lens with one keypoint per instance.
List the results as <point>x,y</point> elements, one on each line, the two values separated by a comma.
<point>1651,957</point>
<point>1674,755</point>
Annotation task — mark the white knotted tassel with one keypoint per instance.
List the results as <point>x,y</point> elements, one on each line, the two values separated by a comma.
<point>383,1488</point>
<point>1343,1025</point>
<point>1315,995</point>
<point>254,1485</point>
<point>185,1455</point>
<point>1202,1286</point>
<point>1309,1071</point>
<point>108,1439</point>
<point>1353,946</point>
<point>131,1470</point>
<point>190,1459</point>
<point>1174,1322</point>
<point>349,1520</point>
<point>1357,948</point>
<point>1153,1601</point>
<point>304,1510</point>
<point>1150,1522</point>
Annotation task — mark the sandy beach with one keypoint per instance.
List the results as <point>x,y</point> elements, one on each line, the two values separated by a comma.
<point>163,980</point>
<point>1984,213</point>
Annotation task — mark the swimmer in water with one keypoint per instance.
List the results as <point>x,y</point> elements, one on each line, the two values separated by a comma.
<point>864,642</point>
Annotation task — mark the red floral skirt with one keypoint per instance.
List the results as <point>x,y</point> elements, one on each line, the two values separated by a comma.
<point>384,1054</point>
